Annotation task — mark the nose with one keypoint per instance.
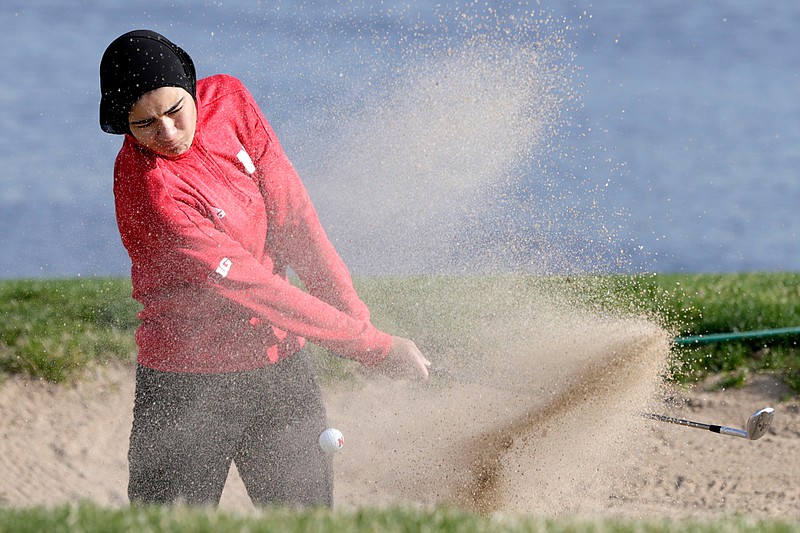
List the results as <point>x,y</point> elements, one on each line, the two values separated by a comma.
<point>167,128</point>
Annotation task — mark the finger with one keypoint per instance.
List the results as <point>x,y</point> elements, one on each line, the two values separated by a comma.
<point>424,368</point>
<point>424,374</point>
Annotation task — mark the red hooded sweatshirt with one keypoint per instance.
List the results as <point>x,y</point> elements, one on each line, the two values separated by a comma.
<point>211,233</point>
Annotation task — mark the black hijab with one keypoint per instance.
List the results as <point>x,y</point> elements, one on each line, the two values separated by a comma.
<point>134,64</point>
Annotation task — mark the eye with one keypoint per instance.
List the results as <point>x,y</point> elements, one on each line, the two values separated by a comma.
<point>142,124</point>
<point>174,111</point>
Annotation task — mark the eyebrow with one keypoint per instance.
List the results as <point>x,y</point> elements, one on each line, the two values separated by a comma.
<point>175,106</point>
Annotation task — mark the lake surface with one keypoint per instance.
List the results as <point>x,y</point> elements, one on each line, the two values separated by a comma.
<point>624,136</point>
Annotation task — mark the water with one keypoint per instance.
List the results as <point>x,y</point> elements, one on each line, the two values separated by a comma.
<point>667,140</point>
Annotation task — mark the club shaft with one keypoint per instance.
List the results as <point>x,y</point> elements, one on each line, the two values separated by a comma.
<point>699,425</point>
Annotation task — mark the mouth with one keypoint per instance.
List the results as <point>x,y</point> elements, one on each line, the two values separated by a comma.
<point>173,148</point>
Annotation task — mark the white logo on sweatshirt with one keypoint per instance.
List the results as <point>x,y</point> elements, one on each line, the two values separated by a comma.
<point>246,161</point>
<point>224,267</point>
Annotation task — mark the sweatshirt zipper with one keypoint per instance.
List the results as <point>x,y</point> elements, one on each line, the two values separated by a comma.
<point>215,169</point>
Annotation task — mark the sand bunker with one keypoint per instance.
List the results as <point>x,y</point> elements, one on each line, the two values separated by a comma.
<point>549,429</point>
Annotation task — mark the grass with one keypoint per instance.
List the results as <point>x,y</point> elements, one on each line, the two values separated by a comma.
<point>686,305</point>
<point>53,329</point>
<point>692,305</point>
<point>88,518</point>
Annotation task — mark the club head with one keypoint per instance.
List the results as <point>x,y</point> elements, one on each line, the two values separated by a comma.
<point>759,422</point>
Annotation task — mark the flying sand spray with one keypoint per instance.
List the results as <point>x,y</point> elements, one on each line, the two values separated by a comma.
<point>452,163</point>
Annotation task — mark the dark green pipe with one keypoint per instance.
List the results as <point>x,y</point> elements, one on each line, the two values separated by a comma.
<point>737,335</point>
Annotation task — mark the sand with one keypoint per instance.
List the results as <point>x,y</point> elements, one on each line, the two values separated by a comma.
<point>552,432</point>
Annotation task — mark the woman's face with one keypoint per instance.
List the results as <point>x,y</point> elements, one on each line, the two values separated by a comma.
<point>164,120</point>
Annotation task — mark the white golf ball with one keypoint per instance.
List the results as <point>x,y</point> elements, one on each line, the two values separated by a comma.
<point>331,440</point>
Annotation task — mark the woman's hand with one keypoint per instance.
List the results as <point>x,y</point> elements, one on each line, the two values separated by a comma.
<point>404,361</point>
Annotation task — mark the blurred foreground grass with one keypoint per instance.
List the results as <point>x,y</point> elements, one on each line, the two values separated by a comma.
<point>88,518</point>
<point>54,328</point>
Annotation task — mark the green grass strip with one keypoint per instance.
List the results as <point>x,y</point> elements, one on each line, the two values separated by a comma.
<point>55,328</point>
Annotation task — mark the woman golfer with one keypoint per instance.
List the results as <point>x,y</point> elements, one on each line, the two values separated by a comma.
<point>212,214</point>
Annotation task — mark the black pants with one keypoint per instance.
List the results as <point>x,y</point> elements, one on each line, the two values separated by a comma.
<point>187,428</point>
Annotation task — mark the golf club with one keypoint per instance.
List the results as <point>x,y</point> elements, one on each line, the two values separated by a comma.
<point>757,425</point>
